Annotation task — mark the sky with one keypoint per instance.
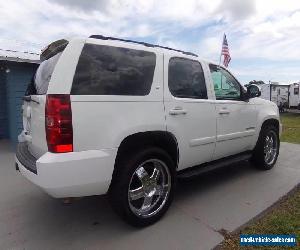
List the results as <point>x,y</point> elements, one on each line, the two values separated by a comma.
<point>263,35</point>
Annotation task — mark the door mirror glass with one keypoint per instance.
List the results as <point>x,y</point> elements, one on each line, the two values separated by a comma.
<point>253,91</point>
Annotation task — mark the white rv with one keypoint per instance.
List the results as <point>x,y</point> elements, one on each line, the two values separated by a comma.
<point>286,94</point>
<point>280,94</point>
<point>294,98</point>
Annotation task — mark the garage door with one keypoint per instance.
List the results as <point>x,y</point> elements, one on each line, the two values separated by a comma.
<point>3,113</point>
<point>17,81</point>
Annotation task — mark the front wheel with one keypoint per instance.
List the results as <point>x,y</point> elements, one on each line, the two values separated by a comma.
<point>267,148</point>
<point>143,185</point>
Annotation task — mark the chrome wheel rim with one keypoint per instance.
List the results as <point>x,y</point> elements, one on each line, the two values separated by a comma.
<point>149,188</point>
<point>270,147</point>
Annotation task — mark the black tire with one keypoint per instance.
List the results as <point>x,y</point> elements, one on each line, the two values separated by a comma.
<point>258,157</point>
<point>122,178</point>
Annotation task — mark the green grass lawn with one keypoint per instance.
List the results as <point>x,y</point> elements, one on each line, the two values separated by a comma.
<point>291,127</point>
<point>283,218</point>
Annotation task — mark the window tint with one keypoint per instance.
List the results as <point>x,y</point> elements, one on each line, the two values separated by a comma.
<point>296,91</point>
<point>106,70</point>
<point>42,76</point>
<point>186,79</point>
<point>226,87</point>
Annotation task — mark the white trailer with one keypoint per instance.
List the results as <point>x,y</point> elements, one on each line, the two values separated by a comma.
<point>280,94</point>
<point>284,94</point>
<point>265,91</point>
<point>294,98</point>
<point>275,92</point>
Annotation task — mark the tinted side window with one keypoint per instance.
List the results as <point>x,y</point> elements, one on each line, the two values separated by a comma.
<point>186,79</point>
<point>106,70</point>
<point>226,87</point>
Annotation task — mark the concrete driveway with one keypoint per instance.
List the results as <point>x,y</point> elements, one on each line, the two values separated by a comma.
<point>224,199</point>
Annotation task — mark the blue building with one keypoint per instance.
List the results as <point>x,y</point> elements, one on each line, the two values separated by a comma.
<point>16,71</point>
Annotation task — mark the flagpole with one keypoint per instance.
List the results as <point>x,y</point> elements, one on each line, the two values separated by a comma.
<point>221,51</point>
<point>220,60</point>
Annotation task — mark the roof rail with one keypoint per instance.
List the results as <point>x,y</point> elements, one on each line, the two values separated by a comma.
<point>142,43</point>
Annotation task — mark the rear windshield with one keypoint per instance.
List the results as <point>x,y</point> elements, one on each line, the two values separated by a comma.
<point>40,82</point>
<point>44,73</point>
<point>106,70</point>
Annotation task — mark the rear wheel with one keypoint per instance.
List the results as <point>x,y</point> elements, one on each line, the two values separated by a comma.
<point>267,148</point>
<point>143,185</point>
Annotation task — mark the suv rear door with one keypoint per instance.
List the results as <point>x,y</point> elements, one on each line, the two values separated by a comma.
<point>35,99</point>
<point>190,115</point>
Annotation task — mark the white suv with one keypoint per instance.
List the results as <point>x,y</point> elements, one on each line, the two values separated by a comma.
<point>107,115</point>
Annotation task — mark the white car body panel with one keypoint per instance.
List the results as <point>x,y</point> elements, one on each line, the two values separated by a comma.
<point>33,132</point>
<point>236,125</point>
<point>266,110</point>
<point>132,118</point>
<point>62,77</point>
<point>73,174</point>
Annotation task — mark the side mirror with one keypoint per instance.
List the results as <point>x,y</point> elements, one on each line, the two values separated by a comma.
<point>253,91</point>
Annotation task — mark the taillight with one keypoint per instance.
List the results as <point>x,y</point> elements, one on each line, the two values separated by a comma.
<point>59,130</point>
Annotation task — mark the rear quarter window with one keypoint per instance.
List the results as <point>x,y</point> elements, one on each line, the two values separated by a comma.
<point>106,70</point>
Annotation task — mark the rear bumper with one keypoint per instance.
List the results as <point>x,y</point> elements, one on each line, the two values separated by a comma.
<point>72,174</point>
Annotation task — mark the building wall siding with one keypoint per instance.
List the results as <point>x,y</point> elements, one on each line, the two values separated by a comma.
<point>16,83</point>
<point>3,106</point>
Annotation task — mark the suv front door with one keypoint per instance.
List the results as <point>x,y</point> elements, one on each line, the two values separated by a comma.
<point>190,115</point>
<point>236,118</point>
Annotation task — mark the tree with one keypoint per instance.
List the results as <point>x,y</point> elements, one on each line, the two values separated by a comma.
<point>260,82</point>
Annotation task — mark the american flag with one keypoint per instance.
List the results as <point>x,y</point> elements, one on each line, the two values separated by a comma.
<point>225,52</point>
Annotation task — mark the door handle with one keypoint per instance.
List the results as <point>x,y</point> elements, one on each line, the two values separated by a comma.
<point>177,111</point>
<point>224,112</point>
